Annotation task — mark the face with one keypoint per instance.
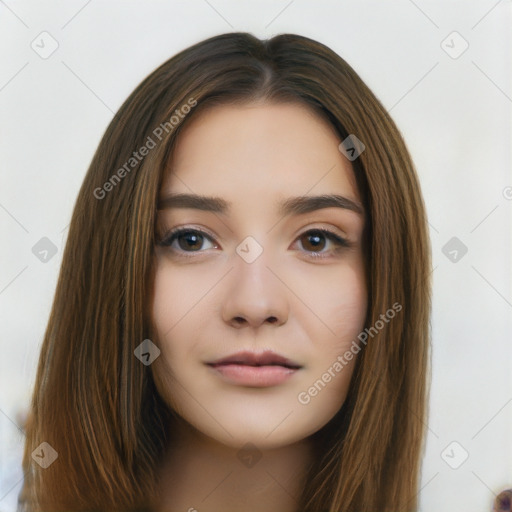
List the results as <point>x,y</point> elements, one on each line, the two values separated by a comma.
<point>260,288</point>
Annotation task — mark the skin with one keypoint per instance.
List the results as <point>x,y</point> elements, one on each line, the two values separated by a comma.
<point>214,303</point>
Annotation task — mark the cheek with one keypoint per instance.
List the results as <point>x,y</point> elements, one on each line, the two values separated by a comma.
<point>180,315</point>
<point>346,307</point>
<point>334,341</point>
<point>339,301</point>
<point>169,315</point>
<point>164,307</point>
<point>178,296</point>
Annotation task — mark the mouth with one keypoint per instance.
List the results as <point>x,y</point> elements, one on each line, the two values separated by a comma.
<point>255,370</point>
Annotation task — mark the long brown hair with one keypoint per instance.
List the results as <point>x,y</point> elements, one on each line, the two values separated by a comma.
<point>97,405</point>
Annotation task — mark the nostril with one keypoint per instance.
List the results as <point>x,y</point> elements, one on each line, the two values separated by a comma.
<point>240,320</point>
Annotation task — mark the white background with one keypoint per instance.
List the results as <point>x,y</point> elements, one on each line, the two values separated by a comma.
<point>455,115</point>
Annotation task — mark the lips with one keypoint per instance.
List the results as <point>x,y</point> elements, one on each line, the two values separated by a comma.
<point>250,369</point>
<point>253,359</point>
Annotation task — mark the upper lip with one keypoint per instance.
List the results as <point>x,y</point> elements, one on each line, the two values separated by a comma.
<point>256,359</point>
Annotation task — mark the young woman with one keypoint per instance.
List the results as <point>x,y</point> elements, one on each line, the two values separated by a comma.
<point>241,321</point>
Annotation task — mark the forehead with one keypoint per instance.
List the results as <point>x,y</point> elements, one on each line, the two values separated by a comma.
<point>264,150</point>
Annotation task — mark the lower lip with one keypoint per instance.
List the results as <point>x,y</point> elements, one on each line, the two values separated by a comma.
<point>254,376</point>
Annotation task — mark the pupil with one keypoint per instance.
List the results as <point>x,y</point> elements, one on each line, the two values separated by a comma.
<point>193,241</point>
<point>317,240</point>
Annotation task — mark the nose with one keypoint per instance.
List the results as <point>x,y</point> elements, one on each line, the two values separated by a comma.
<point>254,295</point>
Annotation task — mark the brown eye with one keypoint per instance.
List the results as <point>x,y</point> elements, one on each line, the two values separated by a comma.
<point>190,240</point>
<point>313,241</point>
<point>187,240</point>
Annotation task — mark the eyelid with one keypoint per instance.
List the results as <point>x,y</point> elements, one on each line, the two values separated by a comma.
<point>168,234</point>
<point>324,227</point>
<point>341,241</point>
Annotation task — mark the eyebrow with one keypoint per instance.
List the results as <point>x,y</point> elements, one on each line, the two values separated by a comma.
<point>291,206</point>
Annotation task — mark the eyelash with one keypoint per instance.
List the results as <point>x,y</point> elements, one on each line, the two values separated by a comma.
<point>174,234</point>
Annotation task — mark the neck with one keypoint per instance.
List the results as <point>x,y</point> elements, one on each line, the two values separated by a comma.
<point>202,475</point>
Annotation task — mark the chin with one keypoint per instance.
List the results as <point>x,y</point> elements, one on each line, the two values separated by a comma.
<point>265,431</point>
